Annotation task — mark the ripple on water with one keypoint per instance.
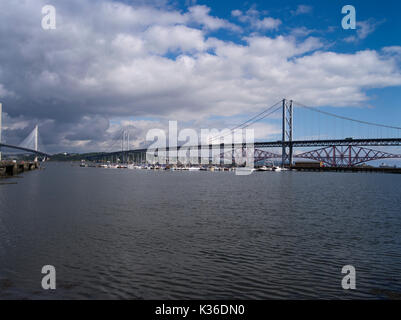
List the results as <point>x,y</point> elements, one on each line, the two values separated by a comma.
<point>146,235</point>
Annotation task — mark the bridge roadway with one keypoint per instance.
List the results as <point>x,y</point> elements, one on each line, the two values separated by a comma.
<point>272,144</point>
<point>3,145</point>
<point>269,144</point>
<point>383,142</point>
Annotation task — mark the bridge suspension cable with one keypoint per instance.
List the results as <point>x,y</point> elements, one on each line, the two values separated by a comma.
<point>260,116</point>
<point>346,118</point>
<point>252,120</point>
<point>33,141</point>
<point>116,139</point>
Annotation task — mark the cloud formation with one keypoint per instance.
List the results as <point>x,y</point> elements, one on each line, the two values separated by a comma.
<point>252,17</point>
<point>302,9</point>
<point>109,63</point>
<point>363,29</point>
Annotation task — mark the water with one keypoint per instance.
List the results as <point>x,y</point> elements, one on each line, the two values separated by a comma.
<point>136,234</point>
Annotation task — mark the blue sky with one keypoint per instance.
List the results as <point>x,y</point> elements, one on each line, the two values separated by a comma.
<point>137,64</point>
<point>323,19</point>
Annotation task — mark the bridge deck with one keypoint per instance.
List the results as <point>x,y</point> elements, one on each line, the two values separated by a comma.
<point>3,145</point>
<point>296,143</point>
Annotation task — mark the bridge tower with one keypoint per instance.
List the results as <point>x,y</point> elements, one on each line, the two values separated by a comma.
<point>287,148</point>
<point>35,141</point>
<point>36,134</point>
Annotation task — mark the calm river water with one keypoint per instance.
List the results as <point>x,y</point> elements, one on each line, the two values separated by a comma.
<point>137,234</point>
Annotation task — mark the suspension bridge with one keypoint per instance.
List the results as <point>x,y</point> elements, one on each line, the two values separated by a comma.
<point>331,152</point>
<point>349,151</point>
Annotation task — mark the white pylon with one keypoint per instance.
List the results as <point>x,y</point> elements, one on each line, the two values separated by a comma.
<point>36,134</point>
<point>36,141</point>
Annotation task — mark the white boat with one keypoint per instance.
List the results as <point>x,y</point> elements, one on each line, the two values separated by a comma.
<point>264,168</point>
<point>243,171</point>
<point>279,169</point>
<point>194,169</point>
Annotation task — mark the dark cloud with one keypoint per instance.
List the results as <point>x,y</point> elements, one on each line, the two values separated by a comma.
<point>110,61</point>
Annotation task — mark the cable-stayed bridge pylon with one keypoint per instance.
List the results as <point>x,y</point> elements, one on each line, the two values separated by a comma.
<point>29,144</point>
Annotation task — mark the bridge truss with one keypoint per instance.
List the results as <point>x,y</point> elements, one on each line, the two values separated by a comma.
<point>333,156</point>
<point>332,152</point>
<point>349,156</point>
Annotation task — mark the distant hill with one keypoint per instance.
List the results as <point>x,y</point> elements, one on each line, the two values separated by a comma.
<point>75,156</point>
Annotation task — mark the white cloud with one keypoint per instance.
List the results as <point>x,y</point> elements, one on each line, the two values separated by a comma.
<point>363,29</point>
<point>174,38</point>
<point>301,32</point>
<point>302,9</point>
<point>158,63</point>
<point>252,17</point>
<point>265,131</point>
<point>236,13</point>
<point>201,15</point>
<point>267,24</point>
<point>392,50</point>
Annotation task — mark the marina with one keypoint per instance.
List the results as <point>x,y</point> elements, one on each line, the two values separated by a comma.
<point>302,167</point>
<point>189,168</point>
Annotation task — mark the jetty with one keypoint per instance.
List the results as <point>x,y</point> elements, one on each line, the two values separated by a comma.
<point>12,168</point>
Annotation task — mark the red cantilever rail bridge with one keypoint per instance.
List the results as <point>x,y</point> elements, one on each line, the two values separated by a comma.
<point>337,153</point>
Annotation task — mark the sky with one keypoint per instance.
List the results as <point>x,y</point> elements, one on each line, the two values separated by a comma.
<point>110,65</point>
